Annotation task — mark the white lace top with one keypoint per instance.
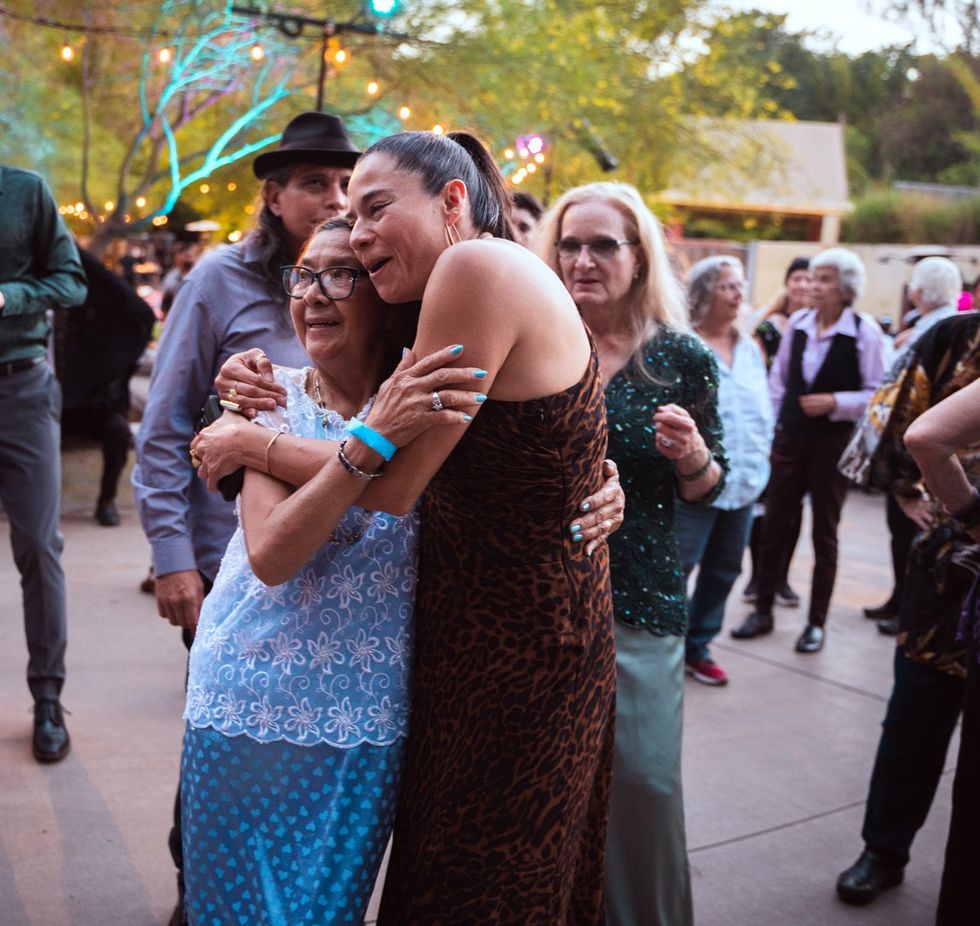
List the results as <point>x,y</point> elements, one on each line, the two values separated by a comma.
<point>326,656</point>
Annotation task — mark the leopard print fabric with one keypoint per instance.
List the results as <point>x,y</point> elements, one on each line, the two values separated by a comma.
<point>503,813</point>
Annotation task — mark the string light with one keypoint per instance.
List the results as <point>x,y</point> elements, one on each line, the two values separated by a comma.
<point>109,205</point>
<point>232,186</point>
<point>373,88</point>
<point>165,55</point>
<point>249,209</point>
<point>160,220</point>
<point>67,52</point>
<point>79,207</point>
<point>531,168</point>
<point>404,113</point>
<point>257,53</point>
<point>438,129</point>
<point>205,188</point>
<point>341,58</point>
<point>140,202</point>
<point>539,158</point>
<point>508,154</point>
<point>234,236</point>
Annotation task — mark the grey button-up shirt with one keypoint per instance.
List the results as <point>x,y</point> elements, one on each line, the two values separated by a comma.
<point>226,305</point>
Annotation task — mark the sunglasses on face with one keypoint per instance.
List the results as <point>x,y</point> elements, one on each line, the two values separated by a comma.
<point>335,282</point>
<point>599,248</point>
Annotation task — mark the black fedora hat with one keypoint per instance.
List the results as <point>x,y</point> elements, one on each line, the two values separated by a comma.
<point>310,138</point>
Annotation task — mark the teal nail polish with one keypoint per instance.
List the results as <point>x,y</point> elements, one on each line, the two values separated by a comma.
<point>467,417</point>
<point>575,528</point>
<point>480,374</point>
<point>456,350</point>
<point>576,537</point>
<point>480,397</point>
<point>585,506</point>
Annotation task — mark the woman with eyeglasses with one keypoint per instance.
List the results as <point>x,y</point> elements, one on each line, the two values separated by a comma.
<point>298,686</point>
<point>664,432</point>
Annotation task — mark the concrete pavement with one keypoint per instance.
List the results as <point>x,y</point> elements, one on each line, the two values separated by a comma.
<point>776,764</point>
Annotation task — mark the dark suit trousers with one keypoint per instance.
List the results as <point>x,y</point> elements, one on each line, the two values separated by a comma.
<point>800,467</point>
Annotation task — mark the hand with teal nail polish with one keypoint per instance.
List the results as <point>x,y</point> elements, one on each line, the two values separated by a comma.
<point>480,374</point>
<point>456,350</point>
<point>480,397</point>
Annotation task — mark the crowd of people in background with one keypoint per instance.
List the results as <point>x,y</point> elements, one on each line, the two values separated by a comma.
<point>419,347</point>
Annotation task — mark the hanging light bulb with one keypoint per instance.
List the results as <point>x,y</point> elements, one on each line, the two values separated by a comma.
<point>257,52</point>
<point>404,113</point>
<point>67,52</point>
<point>373,88</point>
<point>165,55</point>
<point>438,129</point>
<point>140,202</point>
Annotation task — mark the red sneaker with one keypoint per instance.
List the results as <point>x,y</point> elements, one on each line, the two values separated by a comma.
<point>706,671</point>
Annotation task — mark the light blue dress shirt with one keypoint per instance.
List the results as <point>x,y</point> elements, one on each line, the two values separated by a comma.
<point>226,305</point>
<point>747,418</point>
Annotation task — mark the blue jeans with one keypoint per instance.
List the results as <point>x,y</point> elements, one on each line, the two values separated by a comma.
<point>714,540</point>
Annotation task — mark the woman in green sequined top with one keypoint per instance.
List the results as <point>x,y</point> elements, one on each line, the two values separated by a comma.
<point>665,434</point>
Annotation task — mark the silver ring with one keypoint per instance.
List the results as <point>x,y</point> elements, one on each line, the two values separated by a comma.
<point>666,441</point>
<point>436,402</point>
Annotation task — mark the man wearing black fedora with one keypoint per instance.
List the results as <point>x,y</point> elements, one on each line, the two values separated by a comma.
<point>233,300</point>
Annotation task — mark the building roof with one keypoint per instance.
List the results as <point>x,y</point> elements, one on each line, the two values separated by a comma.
<point>789,168</point>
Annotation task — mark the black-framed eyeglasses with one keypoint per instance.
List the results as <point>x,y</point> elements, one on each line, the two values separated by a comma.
<point>599,248</point>
<point>335,282</point>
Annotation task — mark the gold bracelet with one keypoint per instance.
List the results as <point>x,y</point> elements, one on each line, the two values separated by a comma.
<point>268,448</point>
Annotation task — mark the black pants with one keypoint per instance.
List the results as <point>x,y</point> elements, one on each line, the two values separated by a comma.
<point>903,531</point>
<point>959,899</point>
<point>800,467</point>
<point>111,430</point>
<point>919,722</point>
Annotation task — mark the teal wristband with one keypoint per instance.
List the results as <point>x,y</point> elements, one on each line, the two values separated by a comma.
<point>367,435</point>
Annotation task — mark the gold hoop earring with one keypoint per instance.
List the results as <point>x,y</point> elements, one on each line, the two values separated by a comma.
<point>452,230</point>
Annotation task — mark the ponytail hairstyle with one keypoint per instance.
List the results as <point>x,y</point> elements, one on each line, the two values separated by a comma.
<point>437,159</point>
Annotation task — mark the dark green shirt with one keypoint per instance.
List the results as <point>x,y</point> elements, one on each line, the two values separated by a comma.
<point>648,582</point>
<point>39,264</point>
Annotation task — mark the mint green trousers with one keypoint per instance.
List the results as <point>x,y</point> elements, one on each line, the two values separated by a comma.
<point>647,878</point>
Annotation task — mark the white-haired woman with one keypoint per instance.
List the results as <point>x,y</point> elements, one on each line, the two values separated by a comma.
<point>829,362</point>
<point>934,291</point>
<point>713,537</point>
<point>664,432</point>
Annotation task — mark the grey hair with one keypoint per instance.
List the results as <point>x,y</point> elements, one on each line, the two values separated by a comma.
<point>850,272</point>
<point>701,279</point>
<point>939,280</point>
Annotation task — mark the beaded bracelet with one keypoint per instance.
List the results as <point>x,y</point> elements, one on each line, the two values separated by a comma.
<point>695,476</point>
<point>969,515</point>
<point>371,438</point>
<point>350,467</point>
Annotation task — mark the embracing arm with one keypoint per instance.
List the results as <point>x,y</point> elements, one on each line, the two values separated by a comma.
<point>934,439</point>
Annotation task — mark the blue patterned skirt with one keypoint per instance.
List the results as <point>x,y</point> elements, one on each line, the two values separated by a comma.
<point>277,834</point>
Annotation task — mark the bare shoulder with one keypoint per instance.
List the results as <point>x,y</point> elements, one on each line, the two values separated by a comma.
<point>498,271</point>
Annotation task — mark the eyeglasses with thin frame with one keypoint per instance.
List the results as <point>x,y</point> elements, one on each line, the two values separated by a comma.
<point>336,283</point>
<point>599,248</point>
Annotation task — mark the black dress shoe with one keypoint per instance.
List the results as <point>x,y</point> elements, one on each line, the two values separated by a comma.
<point>866,878</point>
<point>891,627</point>
<point>884,613</point>
<point>811,640</point>
<point>107,514</point>
<point>756,624</point>
<point>51,741</point>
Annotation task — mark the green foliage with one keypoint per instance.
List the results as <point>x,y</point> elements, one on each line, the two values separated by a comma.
<point>892,217</point>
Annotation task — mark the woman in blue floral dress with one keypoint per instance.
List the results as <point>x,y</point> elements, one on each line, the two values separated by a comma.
<point>297,704</point>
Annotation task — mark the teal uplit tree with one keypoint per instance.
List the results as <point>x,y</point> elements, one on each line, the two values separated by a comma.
<point>207,79</point>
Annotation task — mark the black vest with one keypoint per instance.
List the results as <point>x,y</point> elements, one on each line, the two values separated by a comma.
<point>839,372</point>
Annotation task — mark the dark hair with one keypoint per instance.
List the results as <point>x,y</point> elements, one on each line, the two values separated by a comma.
<point>798,263</point>
<point>401,322</point>
<point>529,203</point>
<point>437,159</point>
<point>269,237</point>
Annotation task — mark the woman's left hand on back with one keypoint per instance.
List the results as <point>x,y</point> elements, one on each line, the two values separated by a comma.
<point>601,514</point>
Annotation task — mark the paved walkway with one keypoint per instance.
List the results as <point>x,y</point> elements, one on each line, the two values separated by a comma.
<point>776,765</point>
